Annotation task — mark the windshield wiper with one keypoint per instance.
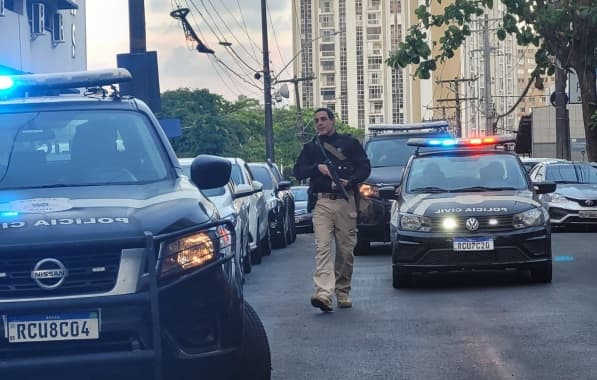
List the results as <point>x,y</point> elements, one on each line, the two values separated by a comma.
<point>429,189</point>
<point>484,188</point>
<point>37,187</point>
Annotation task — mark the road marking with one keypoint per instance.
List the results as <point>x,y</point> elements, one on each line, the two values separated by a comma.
<point>563,259</point>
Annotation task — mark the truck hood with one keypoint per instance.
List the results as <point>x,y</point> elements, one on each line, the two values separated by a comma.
<point>59,215</point>
<point>469,204</point>
<point>385,176</point>
<point>577,190</point>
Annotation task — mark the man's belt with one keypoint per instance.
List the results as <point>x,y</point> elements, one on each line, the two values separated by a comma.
<point>332,196</point>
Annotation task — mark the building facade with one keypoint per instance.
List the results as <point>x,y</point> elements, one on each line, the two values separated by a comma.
<point>42,36</point>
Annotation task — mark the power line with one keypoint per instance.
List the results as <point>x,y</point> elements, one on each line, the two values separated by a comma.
<point>269,13</point>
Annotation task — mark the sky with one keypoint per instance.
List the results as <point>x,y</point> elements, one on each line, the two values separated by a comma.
<point>179,64</point>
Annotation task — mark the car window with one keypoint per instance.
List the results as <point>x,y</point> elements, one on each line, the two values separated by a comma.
<point>394,151</point>
<point>237,175</point>
<point>215,191</point>
<point>262,175</point>
<point>571,173</point>
<point>461,172</point>
<point>300,194</point>
<point>73,148</point>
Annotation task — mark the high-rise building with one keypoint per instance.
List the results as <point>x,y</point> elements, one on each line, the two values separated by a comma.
<point>42,36</point>
<point>344,45</point>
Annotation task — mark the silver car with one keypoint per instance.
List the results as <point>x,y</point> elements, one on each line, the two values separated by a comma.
<point>232,204</point>
<point>575,198</point>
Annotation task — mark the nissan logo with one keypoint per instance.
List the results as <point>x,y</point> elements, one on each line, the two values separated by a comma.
<point>472,224</point>
<point>49,273</point>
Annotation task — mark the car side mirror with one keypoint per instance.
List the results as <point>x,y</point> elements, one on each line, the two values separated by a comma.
<point>242,190</point>
<point>544,187</point>
<point>389,192</point>
<point>257,186</point>
<point>208,172</point>
<point>284,185</point>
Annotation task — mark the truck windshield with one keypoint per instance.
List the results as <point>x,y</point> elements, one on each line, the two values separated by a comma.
<point>78,148</point>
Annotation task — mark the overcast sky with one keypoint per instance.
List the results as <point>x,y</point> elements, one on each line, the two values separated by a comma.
<point>180,65</point>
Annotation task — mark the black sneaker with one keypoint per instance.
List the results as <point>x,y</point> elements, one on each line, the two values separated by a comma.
<point>321,304</point>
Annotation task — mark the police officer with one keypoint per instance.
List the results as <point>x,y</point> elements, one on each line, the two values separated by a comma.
<point>333,216</point>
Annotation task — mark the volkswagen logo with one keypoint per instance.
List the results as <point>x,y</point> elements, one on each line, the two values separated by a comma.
<point>472,224</point>
<point>589,202</point>
<point>49,273</point>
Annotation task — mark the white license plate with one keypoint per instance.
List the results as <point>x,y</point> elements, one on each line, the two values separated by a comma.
<point>473,244</point>
<point>55,327</point>
<point>587,214</point>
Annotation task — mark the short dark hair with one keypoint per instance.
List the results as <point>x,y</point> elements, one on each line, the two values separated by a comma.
<point>330,113</point>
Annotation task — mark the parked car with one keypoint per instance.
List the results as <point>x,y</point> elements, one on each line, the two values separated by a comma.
<point>575,198</point>
<point>258,214</point>
<point>530,162</point>
<point>388,153</point>
<point>287,196</point>
<point>303,219</point>
<point>233,204</point>
<point>278,212</point>
<point>113,264</point>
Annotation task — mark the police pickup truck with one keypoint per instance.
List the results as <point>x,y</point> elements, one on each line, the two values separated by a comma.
<point>462,204</point>
<point>113,265</point>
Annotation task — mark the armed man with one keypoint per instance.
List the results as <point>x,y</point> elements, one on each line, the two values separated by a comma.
<point>335,164</point>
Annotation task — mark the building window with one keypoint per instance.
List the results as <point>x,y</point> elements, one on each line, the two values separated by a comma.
<point>328,79</point>
<point>372,19</point>
<point>329,94</point>
<point>375,92</point>
<point>326,21</point>
<point>328,65</point>
<point>375,78</point>
<point>374,63</point>
<point>327,50</point>
<point>376,107</point>
<point>373,33</point>
<point>327,6</point>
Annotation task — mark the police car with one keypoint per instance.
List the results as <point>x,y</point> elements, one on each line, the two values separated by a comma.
<point>112,263</point>
<point>463,204</point>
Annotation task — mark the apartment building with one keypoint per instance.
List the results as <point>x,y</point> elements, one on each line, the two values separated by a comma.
<point>40,36</point>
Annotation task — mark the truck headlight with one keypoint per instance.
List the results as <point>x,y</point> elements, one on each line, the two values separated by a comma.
<point>555,198</point>
<point>529,218</point>
<point>195,250</point>
<point>369,191</point>
<point>410,222</point>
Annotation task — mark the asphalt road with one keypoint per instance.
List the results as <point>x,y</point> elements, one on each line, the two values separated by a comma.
<point>471,326</point>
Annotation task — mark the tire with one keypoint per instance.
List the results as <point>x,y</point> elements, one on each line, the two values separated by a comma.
<point>256,255</point>
<point>292,226</point>
<point>542,273</point>
<point>265,245</point>
<point>288,227</point>
<point>401,279</point>
<point>281,240</point>
<point>254,360</point>
<point>362,247</point>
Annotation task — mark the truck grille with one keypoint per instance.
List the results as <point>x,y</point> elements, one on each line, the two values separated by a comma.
<point>504,223</point>
<point>90,270</point>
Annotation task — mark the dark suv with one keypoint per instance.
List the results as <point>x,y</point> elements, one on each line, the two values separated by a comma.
<point>112,264</point>
<point>388,152</point>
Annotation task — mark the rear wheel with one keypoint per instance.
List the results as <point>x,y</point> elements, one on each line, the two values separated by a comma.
<point>257,253</point>
<point>542,273</point>
<point>362,247</point>
<point>281,240</point>
<point>254,357</point>
<point>401,278</point>
<point>247,267</point>
<point>265,244</point>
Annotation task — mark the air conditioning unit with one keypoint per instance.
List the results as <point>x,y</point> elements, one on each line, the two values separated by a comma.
<point>58,29</point>
<point>38,20</point>
<point>1,8</point>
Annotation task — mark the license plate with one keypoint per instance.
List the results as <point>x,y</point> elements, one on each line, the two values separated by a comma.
<point>55,327</point>
<point>473,244</point>
<point>587,214</point>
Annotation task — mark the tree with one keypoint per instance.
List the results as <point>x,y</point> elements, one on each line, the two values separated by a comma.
<point>564,29</point>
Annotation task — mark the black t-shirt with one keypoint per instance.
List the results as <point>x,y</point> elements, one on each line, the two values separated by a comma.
<point>355,168</point>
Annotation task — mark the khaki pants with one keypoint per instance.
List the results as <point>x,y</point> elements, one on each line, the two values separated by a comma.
<point>334,220</point>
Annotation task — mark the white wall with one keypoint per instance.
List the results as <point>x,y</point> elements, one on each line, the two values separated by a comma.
<point>544,132</point>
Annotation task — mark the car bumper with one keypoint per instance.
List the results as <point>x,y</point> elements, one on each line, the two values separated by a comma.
<point>200,320</point>
<point>303,221</point>
<point>561,216</point>
<point>435,252</point>
<point>373,222</point>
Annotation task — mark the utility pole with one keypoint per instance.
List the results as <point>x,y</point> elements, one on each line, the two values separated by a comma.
<point>457,99</point>
<point>267,88</point>
<point>487,77</point>
<point>562,126</point>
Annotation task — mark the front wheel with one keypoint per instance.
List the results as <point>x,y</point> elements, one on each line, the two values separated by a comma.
<point>254,356</point>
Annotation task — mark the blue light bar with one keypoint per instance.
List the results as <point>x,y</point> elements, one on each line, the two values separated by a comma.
<point>6,82</point>
<point>8,214</point>
<point>463,142</point>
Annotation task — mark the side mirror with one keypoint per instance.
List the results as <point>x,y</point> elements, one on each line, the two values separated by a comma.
<point>544,187</point>
<point>389,192</point>
<point>208,172</point>
<point>284,185</point>
<point>257,186</point>
<point>242,190</point>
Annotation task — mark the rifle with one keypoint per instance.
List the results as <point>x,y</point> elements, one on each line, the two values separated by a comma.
<point>327,162</point>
